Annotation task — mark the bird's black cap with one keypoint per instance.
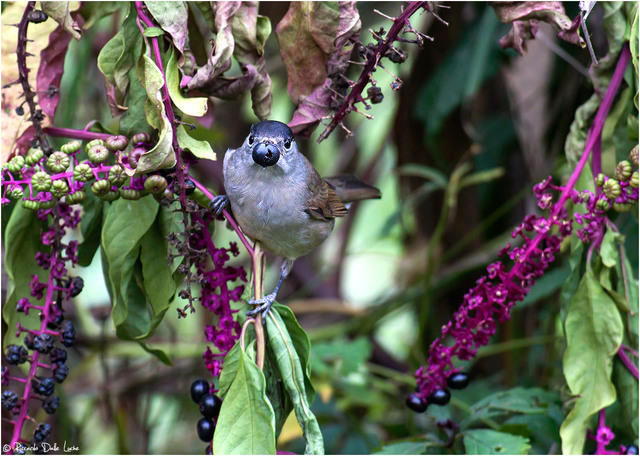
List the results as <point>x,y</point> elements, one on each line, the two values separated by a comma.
<point>271,128</point>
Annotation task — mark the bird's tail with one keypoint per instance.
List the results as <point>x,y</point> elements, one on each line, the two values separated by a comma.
<point>349,188</point>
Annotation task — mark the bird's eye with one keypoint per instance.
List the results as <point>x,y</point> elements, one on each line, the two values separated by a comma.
<point>251,139</point>
<point>287,144</point>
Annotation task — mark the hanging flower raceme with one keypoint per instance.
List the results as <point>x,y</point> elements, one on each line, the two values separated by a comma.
<point>509,279</point>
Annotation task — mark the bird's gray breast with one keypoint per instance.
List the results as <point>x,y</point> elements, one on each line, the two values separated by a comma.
<point>269,206</point>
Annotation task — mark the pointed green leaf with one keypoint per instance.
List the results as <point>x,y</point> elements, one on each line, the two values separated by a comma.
<point>201,149</point>
<point>246,424</point>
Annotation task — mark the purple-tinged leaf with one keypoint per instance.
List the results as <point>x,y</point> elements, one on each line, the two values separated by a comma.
<point>250,32</point>
<point>231,88</point>
<point>315,45</point>
<point>51,69</point>
<point>311,110</point>
<point>172,18</point>
<point>524,17</point>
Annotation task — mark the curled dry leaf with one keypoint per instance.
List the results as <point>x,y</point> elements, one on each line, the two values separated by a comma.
<point>314,40</point>
<point>220,59</point>
<point>524,17</point>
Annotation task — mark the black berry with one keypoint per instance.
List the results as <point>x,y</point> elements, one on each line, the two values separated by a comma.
<point>205,429</point>
<point>60,373</point>
<point>43,343</point>
<point>458,381</point>
<point>632,449</point>
<point>208,449</point>
<point>439,397</point>
<point>50,405</point>
<point>375,94</point>
<point>16,354</point>
<point>189,186</point>
<point>43,387</point>
<point>28,341</point>
<point>58,355</point>
<point>77,284</point>
<point>9,400</point>
<point>42,432</point>
<point>68,333</point>
<point>210,405</point>
<point>416,403</point>
<point>199,388</point>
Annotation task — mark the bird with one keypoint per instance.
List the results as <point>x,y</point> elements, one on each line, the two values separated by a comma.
<point>279,199</point>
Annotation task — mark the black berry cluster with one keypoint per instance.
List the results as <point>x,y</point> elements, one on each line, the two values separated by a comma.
<point>209,405</point>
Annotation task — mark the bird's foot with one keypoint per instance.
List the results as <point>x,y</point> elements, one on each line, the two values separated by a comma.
<point>218,204</point>
<point>264,306</point>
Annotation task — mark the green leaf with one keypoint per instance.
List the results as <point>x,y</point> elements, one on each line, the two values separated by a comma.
<point>161,155</point>
<point>172,17</point>
<point>125,223</point>
<point>21,243</point>
<point>151,32</point>
<point>627,390</point>
<point>246,424</point>
<point>518,400</point>
<point>90,226</point>
<point>481,177</point>
<point>293,377</point>
<point>487,441</point>
<point>196,106</point>
<point>609,248</point>
<point>276,392</point>
<point>230,367</point>
<point>594,332</point>
<point>201,149</point>
<point>156,273</point>
<point>301,343</point>
<point>94,11</point>
<point>158,353</point>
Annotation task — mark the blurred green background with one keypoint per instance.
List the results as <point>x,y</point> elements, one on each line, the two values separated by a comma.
<point>374,296</point>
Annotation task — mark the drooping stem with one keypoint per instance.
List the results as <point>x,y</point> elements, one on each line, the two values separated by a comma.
<point>355,95</point>
<point>36,115</point>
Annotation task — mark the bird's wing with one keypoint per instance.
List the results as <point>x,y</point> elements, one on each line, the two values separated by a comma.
<point>323,203</point>
<point>349,188</point>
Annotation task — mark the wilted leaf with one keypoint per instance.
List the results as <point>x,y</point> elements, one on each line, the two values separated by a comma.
<point>50,71</point>
<point>250,32</point>
<point>161,155</point>
<point>220,59</point>
<point>60,12</point>
<point>315,44</point>
<point>117,58</point>
<point>92,12</point>
<point>231,88</point>
<point>525,16</point>
<point>172,17</point>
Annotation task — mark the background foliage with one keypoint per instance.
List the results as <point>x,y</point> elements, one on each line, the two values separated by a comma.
<point>455,153</point>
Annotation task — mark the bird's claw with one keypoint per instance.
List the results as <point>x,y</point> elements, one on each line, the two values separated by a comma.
<point>264,307</point>
<point>218,204</point>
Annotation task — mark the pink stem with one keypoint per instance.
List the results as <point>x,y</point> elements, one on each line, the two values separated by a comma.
<point>169,110</point>
<point>24,407</point>
<point>75,134</point>
<point>228,216</point>
<point>627,362</point>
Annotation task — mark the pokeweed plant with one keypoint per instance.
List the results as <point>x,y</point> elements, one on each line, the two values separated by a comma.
<point>131,191</point>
